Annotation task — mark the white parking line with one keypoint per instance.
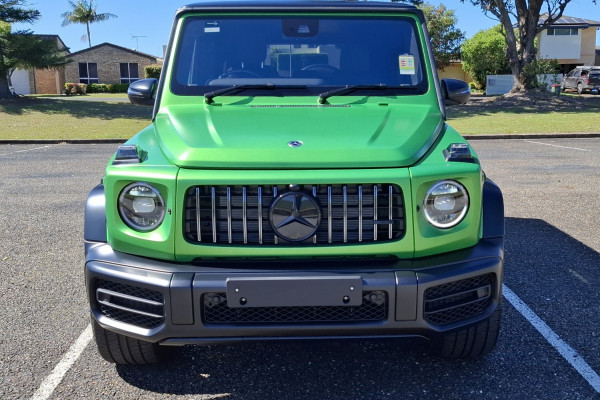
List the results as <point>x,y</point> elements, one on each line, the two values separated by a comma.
<point>58,373</point>
<point>560,345</point>
<point>22,151</point>
<point>555,145</point>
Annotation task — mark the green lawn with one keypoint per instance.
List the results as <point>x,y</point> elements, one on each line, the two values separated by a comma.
<point>563,114</point>
<point>49,118</point>
<point>34,117</point>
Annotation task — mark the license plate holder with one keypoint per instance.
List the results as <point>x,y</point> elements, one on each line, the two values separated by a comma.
<point>294,291</point>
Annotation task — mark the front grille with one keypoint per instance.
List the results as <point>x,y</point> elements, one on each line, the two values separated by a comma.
<point>238,215</point>
<point>459,300</point>
<point>130,304</point>
<point>373,309</point>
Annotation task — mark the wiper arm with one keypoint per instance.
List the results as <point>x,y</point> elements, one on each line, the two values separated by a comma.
<point>349,89</point>
<point>208,97</point>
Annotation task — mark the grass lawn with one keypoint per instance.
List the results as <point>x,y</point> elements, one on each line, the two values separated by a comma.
<point>41,117</point>
<point>527,114</point>
<point>51,118</point>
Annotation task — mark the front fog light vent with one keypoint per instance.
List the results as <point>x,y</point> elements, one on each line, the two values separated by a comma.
<point>446,204</point>
<point>141,207</point>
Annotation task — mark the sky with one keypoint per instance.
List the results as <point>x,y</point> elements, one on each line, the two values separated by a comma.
<point>145,25</point>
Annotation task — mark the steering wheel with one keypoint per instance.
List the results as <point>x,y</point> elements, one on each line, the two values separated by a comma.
<point>329,69</point>
<point>241,73</point>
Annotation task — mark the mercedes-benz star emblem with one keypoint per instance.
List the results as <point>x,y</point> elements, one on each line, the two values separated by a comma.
<point>295,216</point>
<point>295,143</point>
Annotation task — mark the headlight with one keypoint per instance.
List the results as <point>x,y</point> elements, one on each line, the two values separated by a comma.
<point>141,206</point>
<point>446,204</point>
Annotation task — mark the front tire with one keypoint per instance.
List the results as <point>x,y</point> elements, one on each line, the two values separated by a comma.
<point>473,342</point>
<point>120,349</point>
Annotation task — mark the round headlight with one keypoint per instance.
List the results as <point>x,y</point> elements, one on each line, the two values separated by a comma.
<point>141,206</point>
<point>446,204</point>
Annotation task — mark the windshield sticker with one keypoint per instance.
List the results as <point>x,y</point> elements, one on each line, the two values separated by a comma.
<point>407,65</point>
<point>212,27</point>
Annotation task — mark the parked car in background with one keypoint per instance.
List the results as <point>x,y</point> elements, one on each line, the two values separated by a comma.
<point>582,79</point>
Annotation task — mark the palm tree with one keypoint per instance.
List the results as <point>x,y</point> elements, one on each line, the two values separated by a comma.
<point>84,12</point>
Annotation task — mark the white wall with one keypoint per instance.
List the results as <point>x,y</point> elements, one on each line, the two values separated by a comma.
<point>20,81</point>
<point>501,84</point>
<point>559,46</point>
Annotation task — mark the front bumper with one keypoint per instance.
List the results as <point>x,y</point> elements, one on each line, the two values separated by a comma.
<point>177,304</point>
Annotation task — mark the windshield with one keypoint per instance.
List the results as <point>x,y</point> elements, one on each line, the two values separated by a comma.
<point>301,56</point>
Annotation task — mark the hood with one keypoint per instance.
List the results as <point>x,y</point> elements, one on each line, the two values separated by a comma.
<point>234,136</point>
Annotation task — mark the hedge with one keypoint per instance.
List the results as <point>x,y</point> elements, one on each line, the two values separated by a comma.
<point>75,88</point>
<point>107,88</point>
<point>152,71</point>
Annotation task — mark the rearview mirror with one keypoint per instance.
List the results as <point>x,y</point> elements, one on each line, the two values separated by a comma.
<point>142,91</point>
<point>455,91</point>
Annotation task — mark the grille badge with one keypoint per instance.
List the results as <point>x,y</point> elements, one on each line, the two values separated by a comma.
<point>295,143</point>
<point>295,216</point>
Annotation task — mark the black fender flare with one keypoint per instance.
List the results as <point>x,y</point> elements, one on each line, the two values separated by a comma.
<point>493,210</point>
<point>95,216</point>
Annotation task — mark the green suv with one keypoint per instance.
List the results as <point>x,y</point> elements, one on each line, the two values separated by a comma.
<point>298,181</point>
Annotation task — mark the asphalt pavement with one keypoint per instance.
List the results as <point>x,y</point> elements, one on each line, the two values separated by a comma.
<point>552,261</point>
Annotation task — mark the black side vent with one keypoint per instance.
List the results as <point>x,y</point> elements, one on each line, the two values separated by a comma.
<point>459,300</point>
<point>130,304</point>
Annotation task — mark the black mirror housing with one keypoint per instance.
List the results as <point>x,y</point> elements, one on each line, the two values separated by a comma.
<point>455,91</point>
<point>142,91</point>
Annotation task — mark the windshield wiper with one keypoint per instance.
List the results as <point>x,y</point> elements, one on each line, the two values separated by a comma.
<point>208,97</point>
<point>349,89</point>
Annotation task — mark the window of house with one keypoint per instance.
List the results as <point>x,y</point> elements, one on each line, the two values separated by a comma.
<point>563,31</point>
<point>88,73</point>
<point>129,72</point>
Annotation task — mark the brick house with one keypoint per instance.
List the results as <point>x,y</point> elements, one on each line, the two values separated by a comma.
<point>41,80</point>
<point>107,63</point>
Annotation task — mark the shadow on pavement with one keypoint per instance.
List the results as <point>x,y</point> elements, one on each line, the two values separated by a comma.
<point>544,266</point>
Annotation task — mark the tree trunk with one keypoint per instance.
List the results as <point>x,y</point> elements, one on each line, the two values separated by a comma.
<point>5,93</point>
<point>87,24</point>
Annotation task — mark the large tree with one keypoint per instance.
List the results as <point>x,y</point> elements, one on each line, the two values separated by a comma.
<point>84,12</point>
<point>22,49</point>
<point>445,37</point>
<point>520,34</point>
<point>485,54</point>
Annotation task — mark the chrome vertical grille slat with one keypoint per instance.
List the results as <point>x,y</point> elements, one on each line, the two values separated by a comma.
<point>329,216</point>
<point>360,213</point>
<point>390,212</point>
<point>229,217</point>
<point>345,200</point>
<point>198,216</point>
<point>214,213</point>
<point>259,215</point>
<point>375,205</point>
<point>239,214</point>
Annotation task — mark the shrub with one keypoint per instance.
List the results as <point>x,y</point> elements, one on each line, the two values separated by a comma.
<point>152,71</point>
<point>75,88</point>
<point>107,88</point>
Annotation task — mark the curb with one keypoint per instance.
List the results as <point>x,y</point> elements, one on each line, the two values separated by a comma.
<point>580,135</point>
<point>575,135</point>
<point>62,141</point>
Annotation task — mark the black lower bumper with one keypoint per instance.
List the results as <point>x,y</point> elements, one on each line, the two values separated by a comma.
<point>176,304</point>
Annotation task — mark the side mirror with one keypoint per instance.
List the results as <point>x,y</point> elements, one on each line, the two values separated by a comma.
<point>142,91</point>
<point>455,91</point>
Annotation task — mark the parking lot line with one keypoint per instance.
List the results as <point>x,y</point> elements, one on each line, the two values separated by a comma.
<point>22,151</point>
<point>66,362</point>
<point>556,145</point>
<point>568,353</point>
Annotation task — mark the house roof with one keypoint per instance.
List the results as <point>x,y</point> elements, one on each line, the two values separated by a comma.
<point>53,37</point>
<point>138,53</point>
<point>571,22</point>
